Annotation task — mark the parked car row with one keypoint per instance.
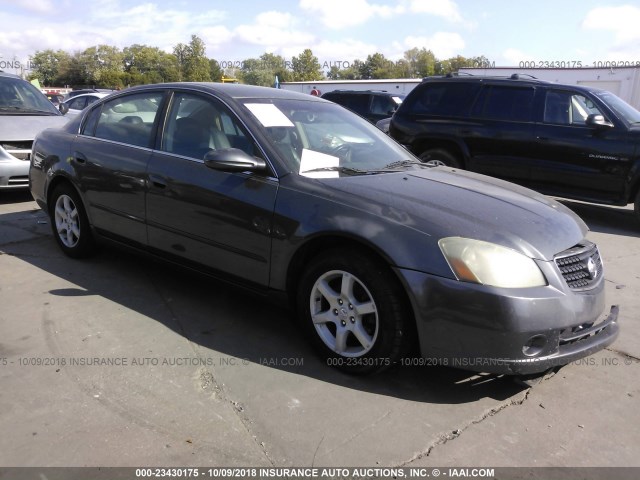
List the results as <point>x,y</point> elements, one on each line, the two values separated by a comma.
<point>296,198</point>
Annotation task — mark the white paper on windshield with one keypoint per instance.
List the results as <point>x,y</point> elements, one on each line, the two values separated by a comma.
<point>312,160</point>
<point>269,115</point>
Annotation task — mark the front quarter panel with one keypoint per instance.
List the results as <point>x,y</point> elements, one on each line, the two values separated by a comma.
<point>306,211</point>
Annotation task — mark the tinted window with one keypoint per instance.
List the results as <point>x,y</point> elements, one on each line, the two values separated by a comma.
<point>499,102</point>
<point>357,103</point>
<point>195,125</point>
<point>129,119</point>
<point>452,99</point>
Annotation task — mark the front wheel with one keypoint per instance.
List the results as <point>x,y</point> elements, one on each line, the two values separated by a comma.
<point>438,157</point>
<point>69,222</point>
<point>353,311</point>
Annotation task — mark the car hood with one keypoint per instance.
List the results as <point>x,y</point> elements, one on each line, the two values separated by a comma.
<point>442,202</point>
<point>26,127</point>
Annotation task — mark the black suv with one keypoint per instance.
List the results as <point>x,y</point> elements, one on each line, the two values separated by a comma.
<point>370,104</point>
<point>565,140</point>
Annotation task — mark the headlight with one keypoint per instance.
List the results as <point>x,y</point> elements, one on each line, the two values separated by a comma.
<point>490,264</point>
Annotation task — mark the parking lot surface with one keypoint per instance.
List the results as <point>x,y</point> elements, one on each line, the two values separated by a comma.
<point>123,361</point>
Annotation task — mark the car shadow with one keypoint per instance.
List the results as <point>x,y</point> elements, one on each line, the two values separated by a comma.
<point>15,196</point>
<point>605,218</point>
<point>229,321</point>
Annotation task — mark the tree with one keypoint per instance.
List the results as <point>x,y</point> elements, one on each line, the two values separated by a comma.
<point>422,62</point>
<point>215,72</point>
<point>102,66</point>
<point>262,71</point>
<point>377,66</point>
<point>193,64</point>
<point>306,67</point>
<point>47,65</point>
<point>144,64</point>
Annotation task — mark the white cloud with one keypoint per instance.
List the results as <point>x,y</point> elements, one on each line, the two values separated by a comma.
<point>442,44</point>
<point>338,14</point>
<point>274,31</point>
<point>623,22</point>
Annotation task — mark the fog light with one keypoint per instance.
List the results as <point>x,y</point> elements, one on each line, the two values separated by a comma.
<point>534,345</point>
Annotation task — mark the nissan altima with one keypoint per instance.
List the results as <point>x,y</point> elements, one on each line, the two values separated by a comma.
<point>297,198</point>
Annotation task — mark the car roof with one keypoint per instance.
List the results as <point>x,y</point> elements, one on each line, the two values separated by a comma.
<point>518,79</point>
<point>231,90</point>
<point>89,94</point>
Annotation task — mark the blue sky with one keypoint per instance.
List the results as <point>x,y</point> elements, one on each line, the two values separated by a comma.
<point>507,32</point>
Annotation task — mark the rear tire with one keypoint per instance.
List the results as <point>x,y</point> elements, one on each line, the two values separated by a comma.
<point>69,222</point>
<point>353,311</point>
<point>439,157</point>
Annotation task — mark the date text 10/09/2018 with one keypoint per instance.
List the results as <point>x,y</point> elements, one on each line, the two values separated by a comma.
<point>578,64</point>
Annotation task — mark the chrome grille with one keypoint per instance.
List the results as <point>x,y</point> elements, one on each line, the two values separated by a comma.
<point>581,266</point>
<point>20,150</point>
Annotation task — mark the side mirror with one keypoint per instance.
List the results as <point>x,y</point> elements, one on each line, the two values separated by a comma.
<point>233,160</point>
<point>598,121</point>
<point>64,108</point>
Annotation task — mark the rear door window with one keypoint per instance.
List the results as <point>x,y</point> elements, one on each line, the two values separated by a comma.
<point>498,102</point>
<point>128,119</point>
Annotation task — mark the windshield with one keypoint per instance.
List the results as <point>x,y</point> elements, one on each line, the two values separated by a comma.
<point>620,107</point>
<point>19,96</point>
<point>325,140</point>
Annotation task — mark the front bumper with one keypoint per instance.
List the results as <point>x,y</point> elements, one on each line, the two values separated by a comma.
<point>14,174</point>
<point>508,331</point>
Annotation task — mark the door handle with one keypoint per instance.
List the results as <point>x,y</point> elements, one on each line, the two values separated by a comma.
<point>79,157</point>
<point>157,181</point>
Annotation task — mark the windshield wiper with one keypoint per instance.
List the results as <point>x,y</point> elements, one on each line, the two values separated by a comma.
<point>347,170</point>
<point>403,163</point>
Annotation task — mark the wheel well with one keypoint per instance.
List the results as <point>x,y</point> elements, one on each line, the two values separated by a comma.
<point>451,147</point>
<point>57,181</point>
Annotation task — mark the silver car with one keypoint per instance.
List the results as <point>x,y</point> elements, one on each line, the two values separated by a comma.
<point>24,112</point>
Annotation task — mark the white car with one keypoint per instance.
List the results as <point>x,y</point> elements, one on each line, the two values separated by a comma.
<point>24,112</point>
<point>75,105</point>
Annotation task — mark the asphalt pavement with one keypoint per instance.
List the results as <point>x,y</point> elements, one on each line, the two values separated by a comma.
<point>119,360</point>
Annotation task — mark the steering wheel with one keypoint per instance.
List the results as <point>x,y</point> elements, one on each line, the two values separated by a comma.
<point>343,152</point>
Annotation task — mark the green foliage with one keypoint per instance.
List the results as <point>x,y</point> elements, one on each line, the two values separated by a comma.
<point>262,71</point>
<point>47,65</point>
<point>107,66</point>
<point>306,67</point>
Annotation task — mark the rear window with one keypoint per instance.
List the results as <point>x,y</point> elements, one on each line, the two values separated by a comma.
<point>447,99</point>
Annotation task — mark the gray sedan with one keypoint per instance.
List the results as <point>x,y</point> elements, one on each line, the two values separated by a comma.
<point>297,198</point>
